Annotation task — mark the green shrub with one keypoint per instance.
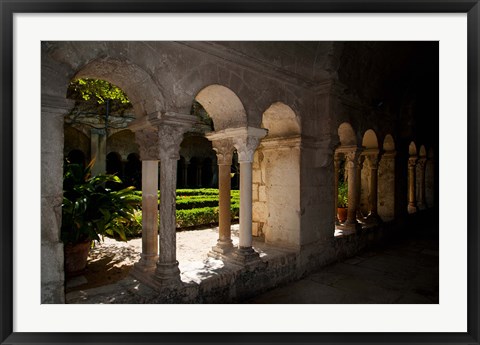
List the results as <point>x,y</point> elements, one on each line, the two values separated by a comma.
<point>194,207</point>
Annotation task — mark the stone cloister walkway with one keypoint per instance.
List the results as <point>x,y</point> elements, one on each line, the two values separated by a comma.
<point>406,272</point>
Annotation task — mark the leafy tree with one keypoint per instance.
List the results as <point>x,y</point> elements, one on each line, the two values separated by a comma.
<point>98,90</point>
<point>97,96</point>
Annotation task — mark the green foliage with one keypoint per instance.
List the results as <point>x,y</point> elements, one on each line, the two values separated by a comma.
<point>97,90</point>
<point>97,97</point>
<point>342,194</point>
<point>202,216</point>
<point>90,210</point>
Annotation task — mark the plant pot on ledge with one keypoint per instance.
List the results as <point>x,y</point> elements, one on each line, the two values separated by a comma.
<point>91,210</point>
<point>342,214</point>
<point>76,258</point>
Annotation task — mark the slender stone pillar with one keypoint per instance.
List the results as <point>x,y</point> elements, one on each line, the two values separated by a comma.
<point>351,163</point>
<point>159,136</point>
<point>412,207</point>
<point>386,187</point>
<point>98,151</point>
<point>224,149</point>
<point>147,140</point>
<point>421,183</point>
<point>373,217</point>
<point>336,169</point>
<point>246,144</point>
<point>358,188</point>
<point>170,137</point>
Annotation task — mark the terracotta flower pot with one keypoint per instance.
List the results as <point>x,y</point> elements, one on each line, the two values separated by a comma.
<point>76,257</point>
<point>342,214</point>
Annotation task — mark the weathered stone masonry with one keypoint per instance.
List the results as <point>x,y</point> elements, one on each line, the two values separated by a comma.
<point>292,112</point>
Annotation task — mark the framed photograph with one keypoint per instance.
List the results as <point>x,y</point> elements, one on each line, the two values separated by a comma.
<point>297,99</point>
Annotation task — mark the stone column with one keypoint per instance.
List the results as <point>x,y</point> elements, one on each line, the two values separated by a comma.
<point>147,141</point>
<point>412,207</point>
<point>421,183</point>
<point>351,223</point>
<point>224,149</point>
<point>336,168</point>
<point>246,144</point>
<point>373,217</point>
<point>386,187</point>
<point>160,135</point>
<point>358,188</point>
<point>170,138</point>
<point>53,111</point>
<point>98,151</point>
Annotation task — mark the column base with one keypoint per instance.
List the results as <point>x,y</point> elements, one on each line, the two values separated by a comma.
<point>246,256</point>
<point>223,247</point>
<point>147,263</point>
<point>412,209</point>
<point>150,278</point>
<point>167,274</point>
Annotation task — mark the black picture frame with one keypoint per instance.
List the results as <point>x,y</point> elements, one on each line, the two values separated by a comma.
<point>9,7</point>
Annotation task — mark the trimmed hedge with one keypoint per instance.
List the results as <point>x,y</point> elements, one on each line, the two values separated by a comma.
<point>202,216</point>
<point>194,207</point>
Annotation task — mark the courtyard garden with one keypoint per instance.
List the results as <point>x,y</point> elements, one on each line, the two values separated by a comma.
<point>194,208</point>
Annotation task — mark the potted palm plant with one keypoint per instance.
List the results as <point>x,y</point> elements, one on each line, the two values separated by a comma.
<point>91,210</point>
<point>342,203</point>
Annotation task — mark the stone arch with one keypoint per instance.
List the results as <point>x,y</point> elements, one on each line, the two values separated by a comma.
<point>76,156</point>
<point>386,180</point>
<point>370,140</point>
<point>412,149</point>
<point>346,135</point>
<point>388,143</point>
<point>281,121</point>
<point>422,152</point>
<point>223,106</point>
<point>133,171</point>
<point>145,95</point>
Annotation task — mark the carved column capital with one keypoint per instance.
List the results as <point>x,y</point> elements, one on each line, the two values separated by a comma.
<point>373,160</point>
<point>421,162</point>
<point>169,139</point>
<point>246,147</point>
<point>412,161</point>
<point>352,158</point>
<point>224,150</point>
<point>147,140</point>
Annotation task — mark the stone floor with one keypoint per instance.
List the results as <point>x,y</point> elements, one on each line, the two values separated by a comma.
<point>404,273</point>
<point>407,273</point>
